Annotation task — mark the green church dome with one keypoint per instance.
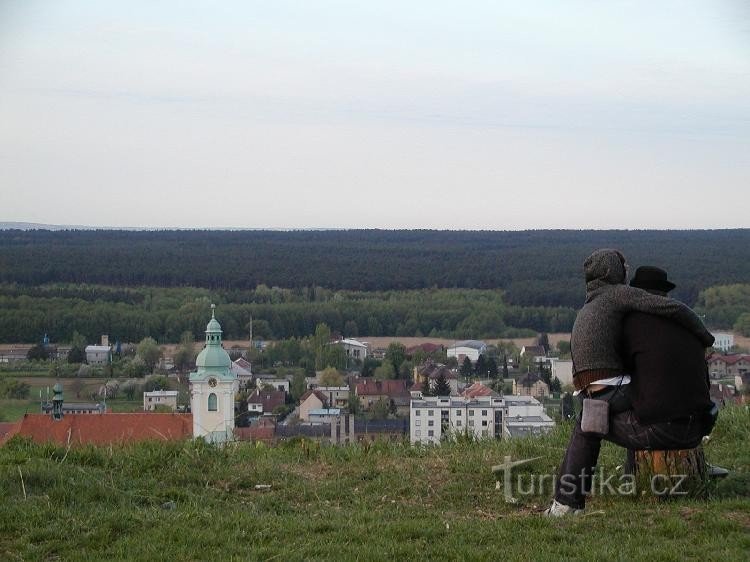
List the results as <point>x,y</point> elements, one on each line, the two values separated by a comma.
<point>213,356</point>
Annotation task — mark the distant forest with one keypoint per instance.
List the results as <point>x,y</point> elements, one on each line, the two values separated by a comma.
<point>532,268</point>
<point>128,315</point>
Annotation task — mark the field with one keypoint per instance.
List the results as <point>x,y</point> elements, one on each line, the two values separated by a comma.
<point>383,501</point>
<point>11,410</point>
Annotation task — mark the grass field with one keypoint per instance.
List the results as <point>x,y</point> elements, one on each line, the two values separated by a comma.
<point>386,501</point>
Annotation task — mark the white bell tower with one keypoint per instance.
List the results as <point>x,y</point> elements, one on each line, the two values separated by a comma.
<point>212,388</point>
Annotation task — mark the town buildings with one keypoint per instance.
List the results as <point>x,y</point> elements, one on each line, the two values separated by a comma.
<point>434,418</point>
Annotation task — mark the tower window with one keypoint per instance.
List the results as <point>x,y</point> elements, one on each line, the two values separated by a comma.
<point>213,403</point>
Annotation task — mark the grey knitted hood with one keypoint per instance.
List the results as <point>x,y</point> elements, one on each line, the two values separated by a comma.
<point>604,267</point>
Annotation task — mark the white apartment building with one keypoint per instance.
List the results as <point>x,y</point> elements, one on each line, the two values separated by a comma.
<point>484,417</point>
<point>724,342</point>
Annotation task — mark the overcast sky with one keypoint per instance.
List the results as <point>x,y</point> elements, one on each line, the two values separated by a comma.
<point>386,114</point>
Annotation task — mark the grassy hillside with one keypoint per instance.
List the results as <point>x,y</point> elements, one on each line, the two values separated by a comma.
<point>382,502</point>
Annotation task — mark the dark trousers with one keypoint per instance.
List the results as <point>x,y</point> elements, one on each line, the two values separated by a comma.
<point>579,463</point>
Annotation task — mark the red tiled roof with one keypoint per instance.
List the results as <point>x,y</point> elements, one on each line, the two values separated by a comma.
<point>320,395</point>
<point>478,389</point>
<point>426,347</point>
<point>270,399</point>
<point>732,359</point>
<point>8,430</point>
<point>387,387</point>
<point>105,429</point>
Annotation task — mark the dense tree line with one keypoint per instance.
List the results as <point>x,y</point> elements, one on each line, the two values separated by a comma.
<point>534,268</point>
<point>726,307</point>
<point>166,314</point>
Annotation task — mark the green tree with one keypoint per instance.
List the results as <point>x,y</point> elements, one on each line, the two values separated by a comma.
<point>368,366</point>
<point>331,377</point>
<point>742,325</point>
<point>466,368</point>
<point>130,390</point>
<point>14,389</point>
<point>320,342</point>
<point>37,353</point>
<point>184,357</point>
<point>406,370</point>
<point>505,367</point>
<point>480,367</point>
<point>355,405</point>
<point>350,329</point>
<point>492,369</point>
<point>442,388</point>
<point>149,352</point>
<point>380,410</point>
<point>543,340</point>
<point>298,386</point>
<point>385,371</point>
<point>563,348</point>
<point>156,383</point>
<point>395,354</point>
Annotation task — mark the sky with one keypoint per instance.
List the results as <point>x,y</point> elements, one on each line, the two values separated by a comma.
<point>497,115</point>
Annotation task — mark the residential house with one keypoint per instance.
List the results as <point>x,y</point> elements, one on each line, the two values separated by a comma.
<point>277,383</point>
<point>434,418</point>
<point>370,391</point>
<point>531,384</point>
<point>469,348</point>
<point>533,351</point>
<point>431,371</point>
<point>242,370</point>
<point>98,354</point>
<point>265,401</point>
<point>309,401</point>
<point>728,366</point>
<point>336,396</point>
<point>354,349</point>
<point>160,398</point>
<point>562,369</point>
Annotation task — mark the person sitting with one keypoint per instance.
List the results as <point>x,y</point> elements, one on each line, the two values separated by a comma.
<point>600,373</point>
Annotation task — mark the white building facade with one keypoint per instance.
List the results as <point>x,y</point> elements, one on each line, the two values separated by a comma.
<point>434,418</point>
<point>469,348</point>
<point>160,398</point>
<point>723,342</point>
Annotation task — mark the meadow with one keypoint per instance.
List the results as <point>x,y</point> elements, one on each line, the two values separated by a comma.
<point>379,501</point>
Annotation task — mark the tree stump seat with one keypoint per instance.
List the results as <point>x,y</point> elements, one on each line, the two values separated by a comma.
<point>672,473</point>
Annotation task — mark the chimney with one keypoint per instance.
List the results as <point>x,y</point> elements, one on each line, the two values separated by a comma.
<point>105,340</point>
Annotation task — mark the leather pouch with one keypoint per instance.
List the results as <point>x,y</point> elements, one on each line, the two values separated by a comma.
<point>595,416</point>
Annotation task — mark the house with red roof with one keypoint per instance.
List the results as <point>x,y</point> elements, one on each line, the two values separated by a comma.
<point>722,366</point>
<point>265,401</point>
<point>370,391</point>
<point>309,401</point>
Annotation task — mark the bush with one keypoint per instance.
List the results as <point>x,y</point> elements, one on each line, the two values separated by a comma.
<point>14,389</point>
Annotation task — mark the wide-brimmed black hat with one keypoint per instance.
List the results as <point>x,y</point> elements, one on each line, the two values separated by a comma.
<point>650,277</point>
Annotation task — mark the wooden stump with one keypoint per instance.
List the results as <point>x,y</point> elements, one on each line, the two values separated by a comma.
<point>672,473</point>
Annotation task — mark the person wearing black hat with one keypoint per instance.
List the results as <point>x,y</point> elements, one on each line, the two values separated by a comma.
<point>669,375</point>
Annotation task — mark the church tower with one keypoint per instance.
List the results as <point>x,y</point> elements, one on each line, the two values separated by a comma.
<point>212,388</point>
